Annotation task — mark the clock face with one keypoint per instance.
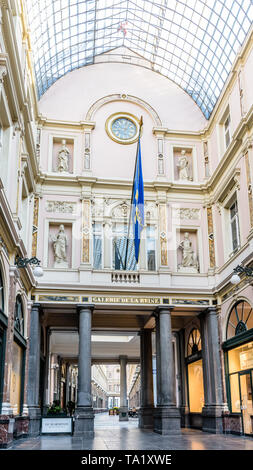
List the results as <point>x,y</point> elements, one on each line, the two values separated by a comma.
<point>123,128</point>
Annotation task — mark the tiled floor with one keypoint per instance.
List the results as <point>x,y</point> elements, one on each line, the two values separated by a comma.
<point>110,434</point>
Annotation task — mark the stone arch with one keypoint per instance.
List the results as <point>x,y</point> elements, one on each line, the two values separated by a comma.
<point>5,285</point>
<point>20,296</point>
<point>195,323</point>
<point>233,303</point>
<point>123,97</point>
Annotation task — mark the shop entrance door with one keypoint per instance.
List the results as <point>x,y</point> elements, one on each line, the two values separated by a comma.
<point>246,401</point>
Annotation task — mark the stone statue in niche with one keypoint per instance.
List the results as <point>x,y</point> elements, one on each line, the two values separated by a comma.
<point>63,158</point>
<point>183,167</point>
<point>60,243</point>
<point>189,262</point>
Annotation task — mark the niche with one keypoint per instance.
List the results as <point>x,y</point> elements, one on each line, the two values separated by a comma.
<point>62,158</point>
<point>60,245</point>
<point>187,251</point>
<point>183,164</point>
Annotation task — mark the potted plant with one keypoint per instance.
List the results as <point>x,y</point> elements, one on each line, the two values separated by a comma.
<point>116,410</point>
<point>71,407</point>
<point>55,409</point>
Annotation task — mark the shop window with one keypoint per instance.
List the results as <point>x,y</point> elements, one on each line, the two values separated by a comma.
<point>151,255</point>
<point>19,316</point>
<point>121,246</point>
<point>234,226</point>
<point>97,246</point>
<point>194,342</point>
<point>16,388</point>
<point>227,130</point>
<point>195,372</point>
<point>240,319</point>
<point>241,358</point>
<point>234,393</point>
<point>196,388</point>
<point>240,372</point>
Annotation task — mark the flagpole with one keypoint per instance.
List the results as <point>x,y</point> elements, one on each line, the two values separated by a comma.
<point>140,128</point>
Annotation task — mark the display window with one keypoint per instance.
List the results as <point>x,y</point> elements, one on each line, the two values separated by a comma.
<point>195,372</point>
<point>16,378</point>
<point>195,385</point>
<point>239,363</point>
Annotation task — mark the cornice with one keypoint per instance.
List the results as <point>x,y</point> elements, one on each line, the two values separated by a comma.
<point>227,87</point>
<point>83,125</point>
<point>242,129</point>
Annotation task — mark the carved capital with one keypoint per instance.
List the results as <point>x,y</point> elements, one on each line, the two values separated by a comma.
<point>3,72</point>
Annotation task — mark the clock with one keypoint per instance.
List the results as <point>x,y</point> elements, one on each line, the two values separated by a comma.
<point>122,128</point>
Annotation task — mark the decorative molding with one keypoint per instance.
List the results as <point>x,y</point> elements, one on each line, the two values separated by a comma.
<point>86,231</point>
<point>58,298</point>
<point>60,206</point>
<point>163,234</point>
<point>125,277</point>
<point>35,226</point>
<point>185,213</point>
<point>210,237</point>
<point>119,97</point>
<point>190,302</point>
<point>3,66</point>
<point>4,247</point>
<point>121,211</point>
<point>231,183</point>
<point>249,184</point>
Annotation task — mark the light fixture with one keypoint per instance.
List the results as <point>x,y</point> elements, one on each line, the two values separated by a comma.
<point>38,271</point>
<point>23,263</point>
<point>235,279</point>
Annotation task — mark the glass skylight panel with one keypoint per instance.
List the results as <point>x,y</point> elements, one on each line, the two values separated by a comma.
<point>188,41</point>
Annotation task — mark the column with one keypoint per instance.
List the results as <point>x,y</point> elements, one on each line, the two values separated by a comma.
<point>166,414</point>
<point>147,398</point>
<point>84,415</point>
<point>34,372</point>
<point>123,412</point>
<point>214,406</point>
<point>47,373</point>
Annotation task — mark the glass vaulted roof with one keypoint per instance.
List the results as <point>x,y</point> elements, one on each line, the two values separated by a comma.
<point>192,42</point>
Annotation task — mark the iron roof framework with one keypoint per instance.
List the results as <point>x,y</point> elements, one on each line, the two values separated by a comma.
<point>192,42</point>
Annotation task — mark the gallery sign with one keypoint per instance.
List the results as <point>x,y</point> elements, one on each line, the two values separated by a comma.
<point>127,300</point>
<point>56,425</point>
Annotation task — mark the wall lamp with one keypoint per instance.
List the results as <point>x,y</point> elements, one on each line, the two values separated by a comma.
<point>235,279</point>
<point>23,262</point>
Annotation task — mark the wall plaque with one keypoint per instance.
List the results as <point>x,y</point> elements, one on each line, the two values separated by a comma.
<point>56,425</point>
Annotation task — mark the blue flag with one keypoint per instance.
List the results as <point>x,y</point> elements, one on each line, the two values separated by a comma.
<point>138,203</point>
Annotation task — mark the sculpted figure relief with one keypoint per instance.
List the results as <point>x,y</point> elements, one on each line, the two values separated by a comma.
<point>63,158</point>
<point>60,243</point>
<point>189,258</point>
<point>183,167</point>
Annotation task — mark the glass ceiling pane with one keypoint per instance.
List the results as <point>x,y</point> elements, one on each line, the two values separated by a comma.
<point>192,42</point>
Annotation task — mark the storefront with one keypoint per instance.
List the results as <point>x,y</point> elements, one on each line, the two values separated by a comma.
<point>18,360</point>
<point>195,378</point>
<point>239,365</point>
